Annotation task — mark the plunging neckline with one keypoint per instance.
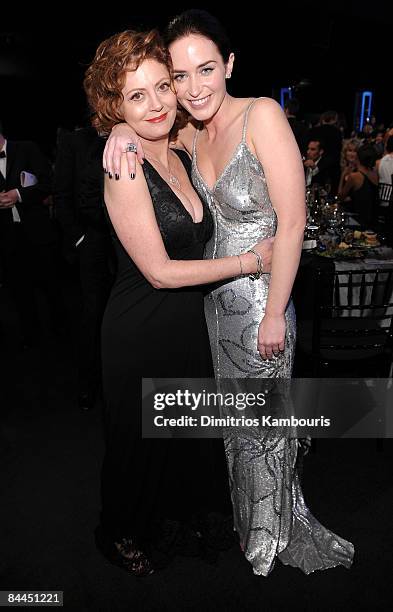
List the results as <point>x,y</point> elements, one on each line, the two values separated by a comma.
<point>180,203</point>
<point>243,141</point>
<point>231,160</point>
<point>221,175</point>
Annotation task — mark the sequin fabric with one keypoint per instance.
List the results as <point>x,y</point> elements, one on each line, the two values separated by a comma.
<point>270,514</point>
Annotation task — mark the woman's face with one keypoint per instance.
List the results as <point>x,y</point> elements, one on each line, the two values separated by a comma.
<point>149,104</point>
<point>199,74</point>
<point>351,155</point>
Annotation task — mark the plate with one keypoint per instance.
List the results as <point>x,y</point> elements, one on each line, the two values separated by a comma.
<point>336,253</point>
<point>365,245</point>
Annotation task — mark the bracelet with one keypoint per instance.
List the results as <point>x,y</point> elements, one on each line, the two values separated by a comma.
<point>257,275</point>
<point>240,263</point>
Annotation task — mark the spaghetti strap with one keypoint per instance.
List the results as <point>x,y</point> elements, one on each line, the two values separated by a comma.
<point>246,116</point>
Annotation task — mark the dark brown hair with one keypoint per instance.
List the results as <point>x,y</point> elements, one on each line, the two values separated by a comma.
<point>201,23</point>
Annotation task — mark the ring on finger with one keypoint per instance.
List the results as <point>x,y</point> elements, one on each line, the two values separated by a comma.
<point>130,148</point>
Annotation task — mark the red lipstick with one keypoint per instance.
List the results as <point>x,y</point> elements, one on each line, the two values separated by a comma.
<point>158,119</point>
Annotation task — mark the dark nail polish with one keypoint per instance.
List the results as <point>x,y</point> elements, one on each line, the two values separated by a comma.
<point>110,174</point>
<point>105,170</point>
<point>132,176</point>
<point>117,177</point>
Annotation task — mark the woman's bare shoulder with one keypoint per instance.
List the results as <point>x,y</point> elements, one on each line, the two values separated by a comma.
<point>355,178</point>
<point>266,108</point>
<point>267,120</point>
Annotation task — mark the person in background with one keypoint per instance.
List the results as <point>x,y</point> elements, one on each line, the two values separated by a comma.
<point>28,239</point>
<point>86,238</point>
<point>349,160</point>
<point>379,142</point>
<point>388,132</point>
<point>328,133</point>
<point>385,193</point>
<point>291,109</point>
<point>362,187</point>
<point>317,166</point>
<point>385,165</point>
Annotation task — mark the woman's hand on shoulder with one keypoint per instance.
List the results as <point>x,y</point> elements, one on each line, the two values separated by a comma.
<point>121,136</point>
<point>185,138</point>
<point>122,195</point>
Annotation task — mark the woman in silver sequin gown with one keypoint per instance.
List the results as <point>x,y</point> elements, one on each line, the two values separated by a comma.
<point>270,514</point>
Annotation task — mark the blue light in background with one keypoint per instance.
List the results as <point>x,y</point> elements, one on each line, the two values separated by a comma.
<point>365,113</point>
<point>285,93</point>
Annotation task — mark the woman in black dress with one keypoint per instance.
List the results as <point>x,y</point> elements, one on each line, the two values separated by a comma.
<point>154,323</point>
<point>362,188</point>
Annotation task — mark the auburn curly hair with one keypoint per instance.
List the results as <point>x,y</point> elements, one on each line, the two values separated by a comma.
<point>105,77</point>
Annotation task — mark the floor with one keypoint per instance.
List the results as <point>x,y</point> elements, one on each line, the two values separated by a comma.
<point>50,456</point>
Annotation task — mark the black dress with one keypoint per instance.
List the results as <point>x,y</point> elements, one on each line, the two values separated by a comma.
<point>363,202</point>
<point>161,333</point>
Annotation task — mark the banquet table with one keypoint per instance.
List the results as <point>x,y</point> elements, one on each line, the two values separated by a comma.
<point>379,258</point>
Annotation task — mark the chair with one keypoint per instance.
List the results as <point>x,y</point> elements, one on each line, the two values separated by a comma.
<point>384,194</point>
<point>353,321</point>
<point>352,328</point>
<point>385,208</point>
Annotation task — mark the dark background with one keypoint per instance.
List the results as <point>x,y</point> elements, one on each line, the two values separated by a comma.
<point>340,47</point>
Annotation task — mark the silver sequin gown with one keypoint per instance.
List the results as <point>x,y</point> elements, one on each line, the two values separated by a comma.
<point>270,514</point>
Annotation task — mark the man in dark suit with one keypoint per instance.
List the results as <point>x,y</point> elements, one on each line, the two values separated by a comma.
<point>318,166</point>
<point>27,236</point>
<point>328,133</point>
<point>80,210</point>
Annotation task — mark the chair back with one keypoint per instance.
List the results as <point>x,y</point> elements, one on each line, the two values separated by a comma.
<point>384,194</point>
<point>353,314</point>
